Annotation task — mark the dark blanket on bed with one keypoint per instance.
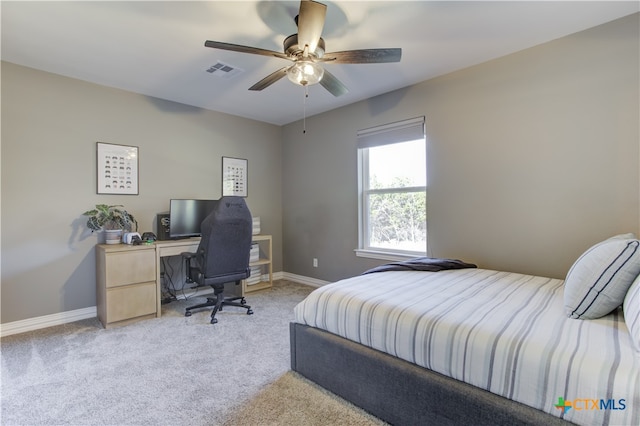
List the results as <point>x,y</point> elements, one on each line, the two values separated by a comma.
<point>431,264</point>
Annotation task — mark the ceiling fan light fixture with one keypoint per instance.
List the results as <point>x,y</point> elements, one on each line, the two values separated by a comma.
<point>305,73</point>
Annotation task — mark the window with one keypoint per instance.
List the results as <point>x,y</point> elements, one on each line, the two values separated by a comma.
<point>392,190</point>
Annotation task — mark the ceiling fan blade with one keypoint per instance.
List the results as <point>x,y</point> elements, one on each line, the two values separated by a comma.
<point>245,49</point>
<point>310,23</point>
<point>270,79</point>
<point>332,84</point>
<point>365,56</point>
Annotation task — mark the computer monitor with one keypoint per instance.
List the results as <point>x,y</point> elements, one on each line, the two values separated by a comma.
<point>185,217</point>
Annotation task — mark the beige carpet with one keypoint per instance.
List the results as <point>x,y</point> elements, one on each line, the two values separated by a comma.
<point>294,400</point>
<point>168,371</point>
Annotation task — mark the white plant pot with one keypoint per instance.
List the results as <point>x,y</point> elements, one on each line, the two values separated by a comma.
<point>113,236</point>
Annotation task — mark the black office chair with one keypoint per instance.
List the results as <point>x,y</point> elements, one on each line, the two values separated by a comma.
<point>223,254</point>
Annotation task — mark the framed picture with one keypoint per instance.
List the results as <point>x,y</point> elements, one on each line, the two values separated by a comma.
<point>234,176</point>
<point>117,169</point>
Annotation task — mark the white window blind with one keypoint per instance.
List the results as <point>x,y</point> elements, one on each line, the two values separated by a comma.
<point>400,131</point>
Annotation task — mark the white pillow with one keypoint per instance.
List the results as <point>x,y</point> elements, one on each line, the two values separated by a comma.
<point>631,309</point>
<point>629,236</point>
<point>598,281</point>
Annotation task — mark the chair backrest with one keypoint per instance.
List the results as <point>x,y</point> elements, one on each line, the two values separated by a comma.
<point>225,243</point>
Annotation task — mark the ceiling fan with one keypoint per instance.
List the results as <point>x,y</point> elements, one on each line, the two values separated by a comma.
<point>306,50</point>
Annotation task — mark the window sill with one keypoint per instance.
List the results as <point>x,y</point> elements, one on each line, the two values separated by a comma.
<point>372,254</point>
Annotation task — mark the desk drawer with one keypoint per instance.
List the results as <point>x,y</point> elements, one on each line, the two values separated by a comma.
<point>130,267</point>
<point>131,301</point>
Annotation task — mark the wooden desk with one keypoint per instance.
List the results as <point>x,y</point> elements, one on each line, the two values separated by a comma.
<point>128,278</point>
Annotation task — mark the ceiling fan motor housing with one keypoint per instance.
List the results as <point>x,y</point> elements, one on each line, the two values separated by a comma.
<point>292,49</point>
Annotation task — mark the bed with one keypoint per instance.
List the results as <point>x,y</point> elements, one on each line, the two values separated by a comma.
<point>478,346</point>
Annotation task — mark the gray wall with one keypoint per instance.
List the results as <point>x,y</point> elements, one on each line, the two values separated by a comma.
<point>532,158</point>
<point>50,126</point>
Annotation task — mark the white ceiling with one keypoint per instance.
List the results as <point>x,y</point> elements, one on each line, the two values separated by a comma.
<point>156,48</point>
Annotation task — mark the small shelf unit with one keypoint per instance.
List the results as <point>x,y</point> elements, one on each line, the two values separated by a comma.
<point>265,261</point>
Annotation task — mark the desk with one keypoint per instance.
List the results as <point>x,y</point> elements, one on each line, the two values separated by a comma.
<point>128,278</point>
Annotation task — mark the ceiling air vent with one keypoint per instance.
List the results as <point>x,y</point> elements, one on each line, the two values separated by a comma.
<point>223,70</point>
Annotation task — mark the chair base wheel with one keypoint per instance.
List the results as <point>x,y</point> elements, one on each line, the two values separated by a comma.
<point>187,314</point>
<point>249,311</point>
<point>214,320</point>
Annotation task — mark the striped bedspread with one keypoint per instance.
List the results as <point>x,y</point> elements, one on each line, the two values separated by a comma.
<point>500,331</point>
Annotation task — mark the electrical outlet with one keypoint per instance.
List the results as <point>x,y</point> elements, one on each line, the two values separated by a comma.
<point>315,262</point>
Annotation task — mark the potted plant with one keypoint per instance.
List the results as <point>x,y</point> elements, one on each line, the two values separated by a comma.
<point>111,219</point>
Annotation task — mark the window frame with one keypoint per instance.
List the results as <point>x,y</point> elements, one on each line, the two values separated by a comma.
<point>384,135</point>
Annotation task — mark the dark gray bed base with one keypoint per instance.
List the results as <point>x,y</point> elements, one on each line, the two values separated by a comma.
<point>397,391</point>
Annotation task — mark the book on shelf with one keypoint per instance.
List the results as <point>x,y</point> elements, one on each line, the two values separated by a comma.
<point>254,254</point>
<point>256,275</point>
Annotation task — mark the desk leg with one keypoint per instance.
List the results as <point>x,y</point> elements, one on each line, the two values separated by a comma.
<point>158,284</point>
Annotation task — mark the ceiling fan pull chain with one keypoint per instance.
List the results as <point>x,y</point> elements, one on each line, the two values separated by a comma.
<point>304,109</point>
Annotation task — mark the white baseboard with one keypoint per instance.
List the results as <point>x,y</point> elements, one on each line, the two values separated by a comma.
<point>313,282</point>
<point>45,321</point>
<point>196,292</point>
<point>22,326</point>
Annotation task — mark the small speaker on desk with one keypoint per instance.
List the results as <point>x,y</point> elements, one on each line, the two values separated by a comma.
<point>163,221</point>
